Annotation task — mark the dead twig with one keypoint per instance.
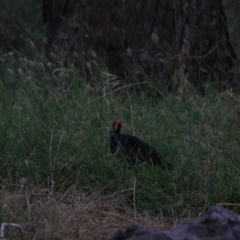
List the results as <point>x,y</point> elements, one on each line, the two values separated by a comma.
<point>4,225</point>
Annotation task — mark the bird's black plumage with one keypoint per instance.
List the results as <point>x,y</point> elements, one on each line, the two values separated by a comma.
<point>133,149</point>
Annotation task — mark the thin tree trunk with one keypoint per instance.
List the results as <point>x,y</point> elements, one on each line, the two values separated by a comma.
<point>207,54</point>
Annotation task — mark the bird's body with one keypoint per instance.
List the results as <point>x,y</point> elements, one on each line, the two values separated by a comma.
<point>133,149</point>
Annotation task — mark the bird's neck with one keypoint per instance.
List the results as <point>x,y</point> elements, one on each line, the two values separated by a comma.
<point>117,132</point>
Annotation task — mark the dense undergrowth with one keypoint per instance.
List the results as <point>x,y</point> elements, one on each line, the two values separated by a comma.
<point>55,133</point>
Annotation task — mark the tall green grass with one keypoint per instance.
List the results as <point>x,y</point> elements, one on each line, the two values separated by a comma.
<point>54,130</point>
<point>55,133</point>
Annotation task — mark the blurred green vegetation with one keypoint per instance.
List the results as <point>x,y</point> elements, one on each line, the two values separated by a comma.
<point>21,22</point>
<point>55,129</point>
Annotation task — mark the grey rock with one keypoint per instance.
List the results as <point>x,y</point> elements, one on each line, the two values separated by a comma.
<point>217,224</point>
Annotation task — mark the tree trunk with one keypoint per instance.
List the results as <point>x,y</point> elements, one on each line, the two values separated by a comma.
<point>207,54</point>
<point>143,37</point>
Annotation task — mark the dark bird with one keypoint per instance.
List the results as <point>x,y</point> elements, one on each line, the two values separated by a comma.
<point>133,149</point>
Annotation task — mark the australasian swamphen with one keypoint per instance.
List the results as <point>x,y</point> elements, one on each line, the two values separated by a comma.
<point>133,149</point>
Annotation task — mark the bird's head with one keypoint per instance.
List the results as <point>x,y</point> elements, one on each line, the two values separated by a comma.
<point>117,125</point>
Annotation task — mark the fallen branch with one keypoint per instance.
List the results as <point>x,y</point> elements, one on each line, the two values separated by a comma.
<point>5,225</point>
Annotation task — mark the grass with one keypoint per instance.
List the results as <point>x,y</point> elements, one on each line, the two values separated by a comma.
<point>55,138</point>
<point>57,176</point>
